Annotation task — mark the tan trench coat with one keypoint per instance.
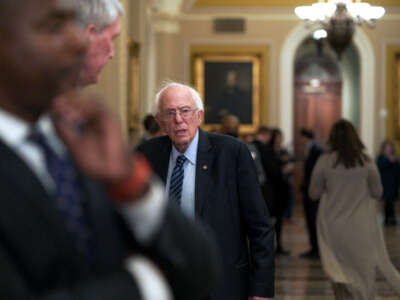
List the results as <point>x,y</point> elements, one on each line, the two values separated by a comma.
<point>350,237</point>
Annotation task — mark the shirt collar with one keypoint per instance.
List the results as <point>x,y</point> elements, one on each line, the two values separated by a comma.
<point>14,131</point>
<point>191,151</point>
<point>46,127</point>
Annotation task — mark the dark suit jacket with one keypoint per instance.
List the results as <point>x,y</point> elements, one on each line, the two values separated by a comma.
<point>390,175</point>
<point>309,164</point>
<point>228,199</point>
<point>272,167</point>
<point>38,259</point>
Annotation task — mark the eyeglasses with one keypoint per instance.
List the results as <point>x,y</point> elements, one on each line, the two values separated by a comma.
<point>185,113</point>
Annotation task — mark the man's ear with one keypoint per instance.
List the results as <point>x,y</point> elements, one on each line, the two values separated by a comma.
<point>201,115</point>
<point>90,31</point>
<point>158,120</point>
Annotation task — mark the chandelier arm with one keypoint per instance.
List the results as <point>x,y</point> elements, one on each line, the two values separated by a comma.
<point>339,18</point>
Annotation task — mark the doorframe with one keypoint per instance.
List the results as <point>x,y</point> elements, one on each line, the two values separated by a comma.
<point>367,90</point>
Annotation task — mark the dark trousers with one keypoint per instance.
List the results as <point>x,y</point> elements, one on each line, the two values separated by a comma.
<point>390,217</point>
<point>310,212</point>
<point>280,208</point>
<point>278,230</point>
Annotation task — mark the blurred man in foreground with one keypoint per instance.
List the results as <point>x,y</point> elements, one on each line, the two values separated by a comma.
<point>60,235</point>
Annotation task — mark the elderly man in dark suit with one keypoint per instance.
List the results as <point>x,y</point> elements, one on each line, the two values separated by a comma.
<point>313,152</point>
<point>63,164</point>
<point>213,179</point>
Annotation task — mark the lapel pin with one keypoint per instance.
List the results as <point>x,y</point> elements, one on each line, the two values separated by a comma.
<point>205,167</point>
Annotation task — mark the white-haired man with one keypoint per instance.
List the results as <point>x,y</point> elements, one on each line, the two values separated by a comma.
<point>212,178</point>
<point>61,237</point>
<point>100,21</point>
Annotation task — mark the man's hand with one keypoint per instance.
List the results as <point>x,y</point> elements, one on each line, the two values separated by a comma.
<point>92,136</point>
<point>259,298</point>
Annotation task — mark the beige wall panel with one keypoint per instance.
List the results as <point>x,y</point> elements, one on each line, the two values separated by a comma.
<point>384,32</point>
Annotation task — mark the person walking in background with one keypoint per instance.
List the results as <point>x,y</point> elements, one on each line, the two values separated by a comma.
<point>152,128</point>
<point>282,162</point>
<point>230,125</point>
<point>313,151</point>
<point>272,170</point>
<point>212,178</point>
<point>389,168</point>
<point>350,239</point>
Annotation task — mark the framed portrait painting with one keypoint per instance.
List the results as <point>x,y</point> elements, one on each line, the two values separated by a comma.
<point>229,83</point>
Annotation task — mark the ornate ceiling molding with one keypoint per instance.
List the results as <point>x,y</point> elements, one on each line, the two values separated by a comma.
<point>273,3</point>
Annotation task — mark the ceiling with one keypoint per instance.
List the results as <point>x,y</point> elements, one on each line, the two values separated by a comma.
<point>275,3</point>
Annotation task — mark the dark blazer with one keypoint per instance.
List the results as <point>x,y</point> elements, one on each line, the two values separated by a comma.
<point>38,259</point>
<point>309,164</point>
<point>390,177</point>
<point>278,184</point>
<point>228,199</point>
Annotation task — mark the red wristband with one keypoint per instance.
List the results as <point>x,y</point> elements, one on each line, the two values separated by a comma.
<point>135,184</point>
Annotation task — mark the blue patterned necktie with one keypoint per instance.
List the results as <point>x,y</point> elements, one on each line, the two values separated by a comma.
<point>176,182</point>
<point>67,192</point>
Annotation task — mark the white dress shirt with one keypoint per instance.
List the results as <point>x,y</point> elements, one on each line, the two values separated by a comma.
<point>189,177</point>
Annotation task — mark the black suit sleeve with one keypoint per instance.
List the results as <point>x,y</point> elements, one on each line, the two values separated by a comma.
<point>13,286</point>
<point>187,253</point>
<point>259,228</point>
<point>183,250</point>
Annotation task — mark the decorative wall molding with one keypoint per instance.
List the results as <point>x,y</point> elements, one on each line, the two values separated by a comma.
<point>253,17</point>
<point>166,26</point>
<point>256,16</point>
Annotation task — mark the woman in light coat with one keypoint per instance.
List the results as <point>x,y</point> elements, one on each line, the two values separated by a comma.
<point>350,238</point>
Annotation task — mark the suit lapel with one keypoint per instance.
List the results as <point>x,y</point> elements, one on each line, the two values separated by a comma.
<point>30,193</point>
<point>161,165</point>
<point>204,169</point>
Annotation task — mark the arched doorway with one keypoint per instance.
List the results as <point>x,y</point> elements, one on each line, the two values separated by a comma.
<point>366,121</point>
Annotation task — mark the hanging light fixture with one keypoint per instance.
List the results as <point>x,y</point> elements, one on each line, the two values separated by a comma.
<point>339,17</point>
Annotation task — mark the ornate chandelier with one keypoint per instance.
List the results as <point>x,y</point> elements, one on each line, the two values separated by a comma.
<point>339,17</point>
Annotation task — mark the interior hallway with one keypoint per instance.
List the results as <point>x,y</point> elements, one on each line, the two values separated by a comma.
<point>298,278</point>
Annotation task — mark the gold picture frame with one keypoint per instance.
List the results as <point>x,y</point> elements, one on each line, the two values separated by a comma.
<point>133,86</point>
<point>393,94</point>
<point>397,95</point>
<point>231,80</point>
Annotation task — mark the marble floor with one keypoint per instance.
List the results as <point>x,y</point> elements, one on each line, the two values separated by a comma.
<point>298,278</point>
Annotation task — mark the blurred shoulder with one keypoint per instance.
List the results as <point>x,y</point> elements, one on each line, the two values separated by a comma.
<point>154,143</point>
<point>327,158</point>
<point>369,161</point>
<point>225,141</point>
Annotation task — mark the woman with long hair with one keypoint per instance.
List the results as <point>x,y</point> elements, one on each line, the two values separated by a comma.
<point>350,237</point>
<point>389,168</point>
